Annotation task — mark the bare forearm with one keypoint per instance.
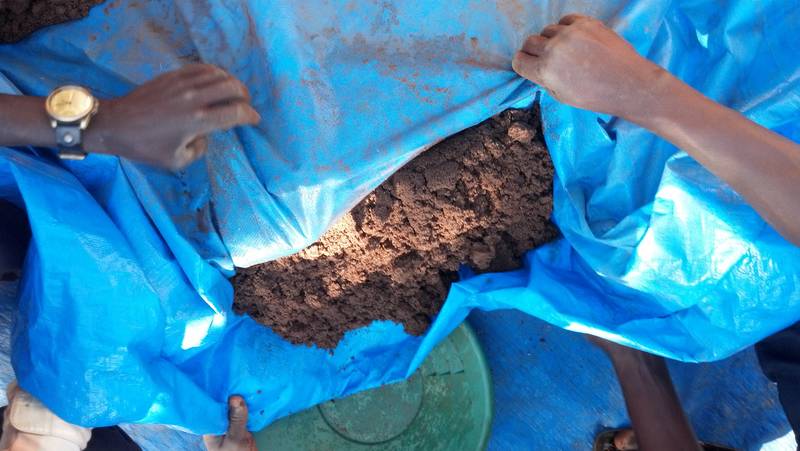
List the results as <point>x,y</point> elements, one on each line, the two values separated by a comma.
<point>23,122</point>
<point>585,64</point>
<point>164,122</point>
<point>762,166</point>
<point>655,411</point>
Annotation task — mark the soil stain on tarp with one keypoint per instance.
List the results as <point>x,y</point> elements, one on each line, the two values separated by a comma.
<point>482,197</point>
<point>20,18</point>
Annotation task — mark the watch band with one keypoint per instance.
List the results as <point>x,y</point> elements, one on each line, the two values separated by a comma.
<point>69,139</point>
<point>71,154</point>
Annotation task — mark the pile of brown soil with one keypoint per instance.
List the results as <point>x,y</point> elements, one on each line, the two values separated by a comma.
<point>482,197</point>
<point>19,18</point>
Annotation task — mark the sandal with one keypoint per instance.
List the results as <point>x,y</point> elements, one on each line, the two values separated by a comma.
<point>605,442</point>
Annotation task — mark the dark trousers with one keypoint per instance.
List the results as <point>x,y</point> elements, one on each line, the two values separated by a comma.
<point>14,237</point>
<point>779,356</point>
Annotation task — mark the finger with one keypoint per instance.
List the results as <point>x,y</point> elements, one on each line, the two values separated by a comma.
<point>187,71</point>
<point>188,153</point>
<point>237,420</point>
<point>226,116</point>
<point>203,79</point>
<point>551,31</point>
<point>197,147</point>
<point>205,74</point>
<point>528,66</point>
<point>182,78</point>
<point>194,76</point>
<point>213,442</point>
<point>199,69</point>
<point>228,89</point>
<point>534,45</point>
<point>183,157</point>
<point>570,19</point>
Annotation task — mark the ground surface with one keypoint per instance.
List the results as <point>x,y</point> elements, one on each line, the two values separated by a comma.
<point>482,197</point>
<point>19,18</point>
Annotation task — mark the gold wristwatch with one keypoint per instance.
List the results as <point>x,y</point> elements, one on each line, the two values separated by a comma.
<point>70,109</point>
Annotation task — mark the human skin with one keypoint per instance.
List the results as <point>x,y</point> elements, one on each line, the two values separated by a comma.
<point>163,122</point>
<point>658,419</point>
<point>237,438</point>
<point>583,63</point>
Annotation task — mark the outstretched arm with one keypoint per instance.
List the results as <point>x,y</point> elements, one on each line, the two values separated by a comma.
<point>162,123</point>
<point>583,63</point>
<point>653,406</point>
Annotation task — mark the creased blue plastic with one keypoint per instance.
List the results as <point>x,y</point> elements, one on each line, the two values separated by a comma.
<point>125,308</point>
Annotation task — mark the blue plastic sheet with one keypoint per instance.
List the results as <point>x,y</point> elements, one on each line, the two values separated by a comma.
<point>125,308</point>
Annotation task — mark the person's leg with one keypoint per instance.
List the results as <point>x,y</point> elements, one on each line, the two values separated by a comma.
<point>779,356</point>
<point>659,421</point>
<point>14,237</point>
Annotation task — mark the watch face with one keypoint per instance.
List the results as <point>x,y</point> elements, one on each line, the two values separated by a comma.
<point>70,103</point>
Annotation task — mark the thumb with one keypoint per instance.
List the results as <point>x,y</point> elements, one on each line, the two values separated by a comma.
<point>237,419</point>
<point>528,66</point>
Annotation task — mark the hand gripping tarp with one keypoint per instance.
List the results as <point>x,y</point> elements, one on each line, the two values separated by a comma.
<point>125,307</point>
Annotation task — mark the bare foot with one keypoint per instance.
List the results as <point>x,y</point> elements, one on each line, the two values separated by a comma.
<point>625,440</point>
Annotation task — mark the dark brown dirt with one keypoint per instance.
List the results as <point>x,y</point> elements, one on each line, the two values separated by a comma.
<point>20,18</point>
<point>482,197</point>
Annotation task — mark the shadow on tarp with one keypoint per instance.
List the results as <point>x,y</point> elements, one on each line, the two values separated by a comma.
<point>125,305</point>
<point>537,407</point>
<point>554,390</point>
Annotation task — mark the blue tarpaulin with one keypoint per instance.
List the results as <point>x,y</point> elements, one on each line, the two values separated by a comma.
<point>125,307</point>
<point>728,402</point>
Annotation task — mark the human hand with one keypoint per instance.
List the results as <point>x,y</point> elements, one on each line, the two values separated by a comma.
<point>238,438</point>
<point>583,63</point>
<point>164,122</point>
